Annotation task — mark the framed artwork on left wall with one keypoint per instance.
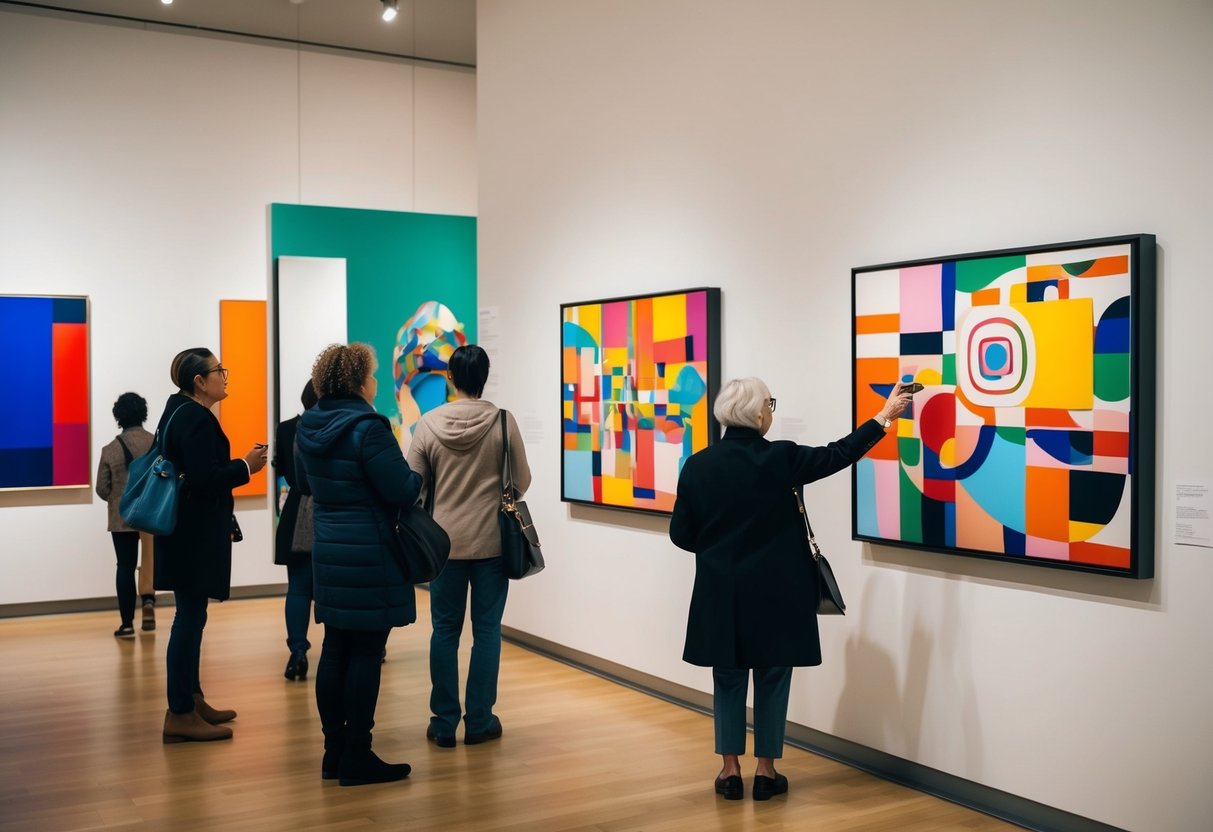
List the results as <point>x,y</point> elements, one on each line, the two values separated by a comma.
<point>639,376</point>
<point>44,402</point>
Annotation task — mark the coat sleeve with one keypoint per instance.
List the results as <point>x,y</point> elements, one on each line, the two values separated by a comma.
<point>105,477</point>
<point>520,467</point>
<point>390,476</point>
<point>811,463</point>
<point>684,530</point>
<point>419,458</point>
<point>205,476</point>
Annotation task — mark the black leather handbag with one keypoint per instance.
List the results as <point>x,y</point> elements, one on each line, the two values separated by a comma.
<point>520,550</point>
<point>420,545</point>
<point>830,602</point>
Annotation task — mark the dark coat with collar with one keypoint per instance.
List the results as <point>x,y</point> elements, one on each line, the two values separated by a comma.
<point>756,588</point>
<point>358,479</point>
<point>197,556</point>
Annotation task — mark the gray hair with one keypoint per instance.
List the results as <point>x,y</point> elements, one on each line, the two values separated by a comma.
<point>740,403</point>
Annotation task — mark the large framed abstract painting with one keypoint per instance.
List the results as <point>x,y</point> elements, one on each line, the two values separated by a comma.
<point>44,407</point>
<point>639,376</point>
<point>1033,438</point>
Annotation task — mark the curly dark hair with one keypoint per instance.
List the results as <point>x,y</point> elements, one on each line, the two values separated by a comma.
<point>341,370</point>
<point>130,410</point>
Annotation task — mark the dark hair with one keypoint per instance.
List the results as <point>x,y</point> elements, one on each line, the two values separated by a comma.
<point>341,370</point>
<point>469,369</point>
<point>308,398</point>
<point>187,364</point>
<point>130,410</point>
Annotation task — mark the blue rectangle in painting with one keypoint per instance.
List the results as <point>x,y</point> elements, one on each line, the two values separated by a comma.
<point>922,343</point>
<point>71,311</point>
<point>26,467</point>
<point>26,404</point>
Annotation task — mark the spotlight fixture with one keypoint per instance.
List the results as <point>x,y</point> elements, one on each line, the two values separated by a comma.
<point>167,2</point>
<point>390,9</point>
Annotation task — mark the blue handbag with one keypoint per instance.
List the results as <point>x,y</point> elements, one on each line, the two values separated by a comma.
<point>149,501</point>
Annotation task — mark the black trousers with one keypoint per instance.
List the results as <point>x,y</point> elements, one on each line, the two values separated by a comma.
<point>347,685</point>
<point>126,547</point>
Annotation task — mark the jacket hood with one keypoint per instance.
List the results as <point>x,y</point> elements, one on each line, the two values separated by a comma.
<point>321,426</point>
<point>461,424</point>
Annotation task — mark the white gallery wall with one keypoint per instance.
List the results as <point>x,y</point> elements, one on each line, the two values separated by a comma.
<point>136,167</point>
<point>767,148</point>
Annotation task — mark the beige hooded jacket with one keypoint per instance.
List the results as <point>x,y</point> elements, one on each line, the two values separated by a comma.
<point>459,444</point>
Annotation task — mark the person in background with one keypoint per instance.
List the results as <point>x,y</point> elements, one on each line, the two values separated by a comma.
<point>130,411</point>
<point>459,446</point>
<point>293,541</point>
<point>195,561</point>
<point>359,481</point>
<point>754,605</point>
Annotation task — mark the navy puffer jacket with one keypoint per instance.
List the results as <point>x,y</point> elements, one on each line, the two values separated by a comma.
<point>358,479</point>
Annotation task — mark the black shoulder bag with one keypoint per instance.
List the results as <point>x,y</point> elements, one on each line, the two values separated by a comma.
<point>831,602</point>
<point>520,550</point>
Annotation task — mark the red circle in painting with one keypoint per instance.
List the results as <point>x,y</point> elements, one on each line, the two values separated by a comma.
<point>937,420</point>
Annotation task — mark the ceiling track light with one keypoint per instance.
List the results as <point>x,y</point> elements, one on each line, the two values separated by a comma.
<point>166,2</point>
<point>391,8</point>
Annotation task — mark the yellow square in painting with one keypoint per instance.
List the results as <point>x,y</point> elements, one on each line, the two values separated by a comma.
<point>615,357</point>
<point>1063,343</point>
<point>669,317</point>
<point>616,491</point>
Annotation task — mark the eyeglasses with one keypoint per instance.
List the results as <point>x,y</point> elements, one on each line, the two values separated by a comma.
<point>771,403</point>
<point>219,369</point>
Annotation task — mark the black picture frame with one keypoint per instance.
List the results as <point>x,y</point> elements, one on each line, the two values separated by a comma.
<point>713,318</point>
<point>1078,443</point>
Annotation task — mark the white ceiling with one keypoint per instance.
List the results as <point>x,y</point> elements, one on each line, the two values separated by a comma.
<point>443,30</point>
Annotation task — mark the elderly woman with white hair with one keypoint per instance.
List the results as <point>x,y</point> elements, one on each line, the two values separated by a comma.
<point>753,608</point>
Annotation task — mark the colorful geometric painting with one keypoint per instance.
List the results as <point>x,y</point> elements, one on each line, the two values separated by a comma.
<point>424,345</point>
<point>1033,438</point>
<point>44,401</point>
<point>244,414</point>
<point>638,379</point>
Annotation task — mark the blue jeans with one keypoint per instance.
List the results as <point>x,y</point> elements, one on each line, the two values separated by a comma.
<point>298,604</point>
<point>185,651</point>
<point>771,686</point>
<point>347,686</point>
<point>448,604</point>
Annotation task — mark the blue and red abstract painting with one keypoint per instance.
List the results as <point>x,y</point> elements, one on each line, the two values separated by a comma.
<point>44,407</point>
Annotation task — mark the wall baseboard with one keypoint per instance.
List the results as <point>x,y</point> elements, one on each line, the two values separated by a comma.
<point>163,599</point>
<point>1002,805</point>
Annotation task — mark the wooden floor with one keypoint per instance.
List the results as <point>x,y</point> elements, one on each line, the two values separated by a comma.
<point>81,715</point>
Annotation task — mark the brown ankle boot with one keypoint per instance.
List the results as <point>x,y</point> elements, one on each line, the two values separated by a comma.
<point>192,728</point>
<point>212,715</point>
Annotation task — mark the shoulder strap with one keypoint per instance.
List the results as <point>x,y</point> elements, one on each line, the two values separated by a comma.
<point>162,441</point>
<point>507,471</point>
<point>126,452</point>
<point>808,527</point>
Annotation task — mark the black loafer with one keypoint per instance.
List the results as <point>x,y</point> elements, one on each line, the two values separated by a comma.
<point>440,740</point>
<point>730,788</point>
<point>767,787</point>
<point>494,733</point>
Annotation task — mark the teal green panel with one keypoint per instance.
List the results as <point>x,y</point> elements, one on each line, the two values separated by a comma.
<point>909,450</point>
<point>972,275</point>
<point>949,368</point>
<point>1016,436</point>
<point>911,508</point>
<point>1112,376</point>
<point>395,262</point>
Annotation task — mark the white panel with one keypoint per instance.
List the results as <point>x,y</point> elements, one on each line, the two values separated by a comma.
<point>311,311</point>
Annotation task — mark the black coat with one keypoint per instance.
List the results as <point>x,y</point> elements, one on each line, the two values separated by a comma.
<point>359,480</point>
<point>284,466</point>
<point>197,556</point>
<point>756,589</point>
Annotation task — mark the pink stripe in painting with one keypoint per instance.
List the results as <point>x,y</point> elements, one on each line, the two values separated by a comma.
<point>887,474</point>
<point>615,324</point>
<point>697,324</point>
